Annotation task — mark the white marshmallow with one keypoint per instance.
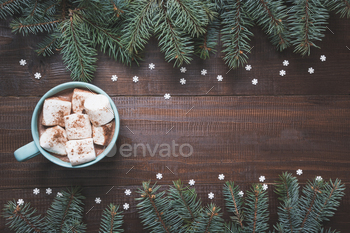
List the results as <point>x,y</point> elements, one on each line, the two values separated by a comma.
<point>99,109</point>
<point>54,140</point>
<point>101,134</point>
<point>80,151</point>
<point>54,110</point>
<point>78,126</point>
<point>78,99</point>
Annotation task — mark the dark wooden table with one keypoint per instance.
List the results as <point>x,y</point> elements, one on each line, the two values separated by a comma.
<point>298,121</point>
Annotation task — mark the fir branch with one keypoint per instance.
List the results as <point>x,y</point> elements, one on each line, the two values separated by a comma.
<point>48,45</point>
<point>270,15</point>
<point>341,7</point>
<point>287,188</point>
<point>10,7</point>
<point>332,193</point>
<point>172,40</point>
<point>65,211</point>
<point>308,19</point>
<point>234,202</point>
<point>256,210</point>
<point>112,220</point>
<point>235,33</point>
<point>138,24</point>
<point>155,210</point>
<point>77,53</point>
<point>21,219</point>
<point>207,42</point>
<point>210,220</point>
<point>188,15</point>
<point>35,25</point>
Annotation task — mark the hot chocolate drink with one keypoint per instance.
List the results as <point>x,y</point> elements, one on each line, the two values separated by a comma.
<point>66,114</point>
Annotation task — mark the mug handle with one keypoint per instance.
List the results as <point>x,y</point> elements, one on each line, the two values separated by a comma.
<point>26,152</point>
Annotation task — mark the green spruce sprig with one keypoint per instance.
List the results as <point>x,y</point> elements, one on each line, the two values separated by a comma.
<point>112,220</point>
<point>210,220</point>
<point>234,203</point>
<point>341,7</point>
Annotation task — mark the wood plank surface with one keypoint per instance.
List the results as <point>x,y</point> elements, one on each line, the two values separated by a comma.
<point>243,137</point>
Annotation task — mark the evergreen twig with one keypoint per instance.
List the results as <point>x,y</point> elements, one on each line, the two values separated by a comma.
<point>112,220</point>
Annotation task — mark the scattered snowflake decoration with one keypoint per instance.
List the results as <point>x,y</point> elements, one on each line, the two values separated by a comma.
<point>282,72</point>
<point>285,62</point>
<point>254,81</point>
<point>323,58</point>
<point>20,202</point>
<point>183,69</point>
<point>126,206</point>
<point>59,194</point>
<point>210,195</point>
<point>127,192</point>
<point>264,187</point>
<point>183,81</point>
<point>191,182</point>
<point>22,62</point>
<point>262,178</point>
<point>135,79</point>
<point>219,78</point>
<point>221,177</point>
<point>98,200</point>
<point>241,193</point>
<point>159,176</point>
<point>48,191</point>
<point>151,66</point>
<point>204,72</point>
<point>311,70</point>
<point>37,75</point>
<point>299,172</point>
<point>167,96</point>
<point>36,191</point>
<point>319,178</point>
<point>114,78</point>
<point>248,67</point>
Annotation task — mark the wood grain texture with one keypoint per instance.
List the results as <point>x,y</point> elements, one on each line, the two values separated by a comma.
<point>243,137</point>
<point>328,79</point>
<point>241,130</point>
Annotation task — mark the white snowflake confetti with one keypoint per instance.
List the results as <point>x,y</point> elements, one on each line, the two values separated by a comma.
<point>299,172</point>
<point>319,178</point>
<point>254,81</point>
<point>183,69</point>
<point>183,81</point>
<point>323,58</point>
<point>219,78</point>
<point>210,195</point>
<point>282,72</point>
<point>241,193</point>
<point>126,206</point>
<point>59,194</point>
<point>311,70</point>
<point>114,78</point>
<point>204,72</point>
<point>151,66</point>
<point>37,75</point>
<point>248,67</point>
<point>159,176</point>
<point>20,202</point>
<point>262,178</point>
<point>191,182</point>
<point>48,191</point>
<point>22,62</point>
<point>167,96</point>
<point>264,187</point>
<point>285,62</point>
<point>36,191</point>
<point>98,200</point>
<point>135,79</point>
<point>221,177</point>
<point>127,192</point>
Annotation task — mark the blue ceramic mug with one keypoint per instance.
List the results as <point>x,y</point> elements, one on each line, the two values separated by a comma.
<point>33,148</point>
